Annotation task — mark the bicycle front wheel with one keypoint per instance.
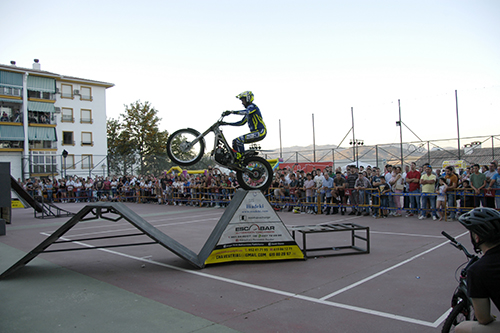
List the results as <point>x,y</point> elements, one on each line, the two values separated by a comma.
<point>461,312</point>
<point>181,149</point>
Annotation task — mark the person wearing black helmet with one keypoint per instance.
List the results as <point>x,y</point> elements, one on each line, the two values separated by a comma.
<point>251,115</point>
<point>483,277</point>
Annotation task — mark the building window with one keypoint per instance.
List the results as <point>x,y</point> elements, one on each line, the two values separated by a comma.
<point>68,138</point>
<point>66,91</point>
<point>87,162</point>
<point>86,93</point>
<point>34,94</point>
<point>67,115</point>
<point>10,91</point>
<point>87,139</point>
<point>40,95</point>
<point>44,162</point>
<point>70,162</point>
<point>86,116</point>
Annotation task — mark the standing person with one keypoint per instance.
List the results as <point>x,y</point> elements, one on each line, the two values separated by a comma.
<point>495,185</point>
<point>251,115</point>
<point>326,191</point>
<point>362,186</point>
<point>88,189</point>
<point>63,191</point>
<point>78,189</point>
<point>478,183</point>
<point>389,173</point>
<point>339,190</point>
<point>406,198</point>
<point>441,198</point>
<point>384,189</point>
<point>413,181</point>
<point>351,181</point>
<point>483,276</point>
<point>397,188</point>
<point>490,195</point>
<point>70,185</point>
<point>428,181</point>
<point>98,187</point>
<point>300,185</point>
<point>309,187</point>
<point>451,188</point>
<point>50,189</point>
<point>376,182</point>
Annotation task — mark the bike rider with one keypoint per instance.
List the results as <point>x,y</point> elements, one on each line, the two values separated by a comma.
<point>253,117</point>
<point>483,277</point>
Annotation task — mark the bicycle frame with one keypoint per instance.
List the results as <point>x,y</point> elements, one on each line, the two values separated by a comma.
<point>460,294</point>
<point>219,137</point>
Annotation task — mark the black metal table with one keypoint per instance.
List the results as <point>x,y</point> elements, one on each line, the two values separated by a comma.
<point>354,229</point>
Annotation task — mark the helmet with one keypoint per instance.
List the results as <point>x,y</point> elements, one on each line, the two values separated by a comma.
<point>484,222</point>
<point>247,95</point>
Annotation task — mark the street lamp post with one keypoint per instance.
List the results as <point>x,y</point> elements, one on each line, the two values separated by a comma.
<point>103,168</point>
<point>355,144</point>
<point>64,155</point>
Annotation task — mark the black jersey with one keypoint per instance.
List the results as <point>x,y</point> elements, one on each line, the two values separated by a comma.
<point>483,277</point>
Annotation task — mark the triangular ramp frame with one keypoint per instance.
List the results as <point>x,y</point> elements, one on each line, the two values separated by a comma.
<point>249,230</point>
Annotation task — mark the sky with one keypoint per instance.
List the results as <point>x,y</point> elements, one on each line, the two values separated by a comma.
<point>190,59</point>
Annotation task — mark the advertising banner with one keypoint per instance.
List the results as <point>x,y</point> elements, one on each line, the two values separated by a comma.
<point>255,232</point>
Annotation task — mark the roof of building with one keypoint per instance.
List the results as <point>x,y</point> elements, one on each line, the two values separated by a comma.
<point>17,69</point>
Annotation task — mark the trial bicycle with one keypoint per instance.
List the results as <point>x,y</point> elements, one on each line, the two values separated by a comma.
<point>186,147</point>
<point>461,304</point>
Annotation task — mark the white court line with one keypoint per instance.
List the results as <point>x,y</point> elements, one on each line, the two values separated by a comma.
<point>387,270</point>
<point>281,292</point>
<point>122,222</point>
<point>128,229</point>
<point>403,234</point>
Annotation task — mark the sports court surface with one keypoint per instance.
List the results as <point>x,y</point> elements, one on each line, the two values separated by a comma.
<point>404,285</point>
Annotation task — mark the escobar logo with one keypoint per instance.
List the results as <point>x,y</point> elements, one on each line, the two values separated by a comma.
<point>255,227</point>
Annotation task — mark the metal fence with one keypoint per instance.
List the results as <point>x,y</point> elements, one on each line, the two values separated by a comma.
<point>481,150</point>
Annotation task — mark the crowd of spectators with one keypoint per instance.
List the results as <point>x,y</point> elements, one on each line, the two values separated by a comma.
<point>414,191</point>
<point>213,188</point>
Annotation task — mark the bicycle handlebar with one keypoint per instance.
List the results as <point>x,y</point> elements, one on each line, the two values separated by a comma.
<point>445,234</point>
<point>456,244</point>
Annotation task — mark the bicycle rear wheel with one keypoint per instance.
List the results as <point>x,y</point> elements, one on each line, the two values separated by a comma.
<point>461,312</point>
<point>259,175</point>
<point>181,150</point>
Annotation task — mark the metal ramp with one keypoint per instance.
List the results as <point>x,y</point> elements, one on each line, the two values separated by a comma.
<point>42,209</point>
<point>112,212</point>
<point>25,195</point>
<point>115,211</point>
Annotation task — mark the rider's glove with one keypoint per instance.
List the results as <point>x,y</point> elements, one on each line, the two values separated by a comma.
<point>226,113</point>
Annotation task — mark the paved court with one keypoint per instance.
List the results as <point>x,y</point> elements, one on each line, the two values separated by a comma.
<point>404,285</point>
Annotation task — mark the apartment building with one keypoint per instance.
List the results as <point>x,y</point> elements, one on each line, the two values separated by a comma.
<point>51,124</point>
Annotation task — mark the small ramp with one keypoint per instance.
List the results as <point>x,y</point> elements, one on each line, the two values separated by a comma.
<point>25,195</point>
<point>114,212</point>
<point>42,209</point>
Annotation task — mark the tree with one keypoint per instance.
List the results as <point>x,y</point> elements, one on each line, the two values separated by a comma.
<point>140,121</point>
<point>121,148</point>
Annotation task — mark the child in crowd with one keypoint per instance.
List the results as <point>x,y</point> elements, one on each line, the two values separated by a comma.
<point>441,198</point>
<point>309,187</point>
<point>384,198</point>
<point>468,198</point>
